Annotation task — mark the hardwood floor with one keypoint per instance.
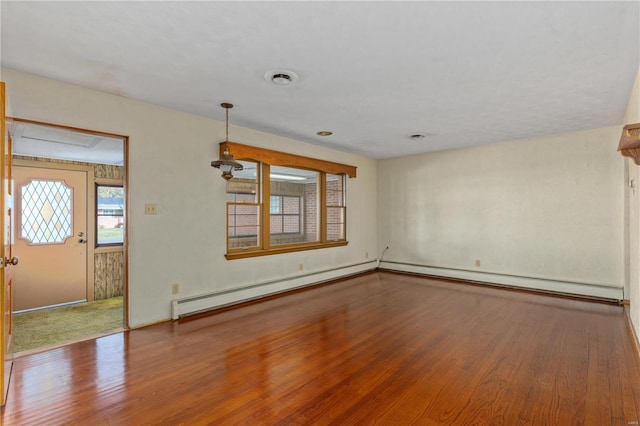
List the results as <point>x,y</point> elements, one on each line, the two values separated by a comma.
<point>376,349</point>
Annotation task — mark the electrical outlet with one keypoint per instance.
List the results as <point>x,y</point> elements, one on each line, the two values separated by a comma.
<point>151,208</point>
<point>366,254</point>
<point>301,267</point>
<point>477,262</point>
<point>175,288</point>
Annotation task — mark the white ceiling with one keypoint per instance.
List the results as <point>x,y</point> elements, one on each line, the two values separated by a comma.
<point>465,73</point>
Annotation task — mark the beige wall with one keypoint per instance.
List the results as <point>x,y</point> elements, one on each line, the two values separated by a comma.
<point>633,216</point>
<point>169,164</point>
<point>548,210</point>
<point>545,213</point>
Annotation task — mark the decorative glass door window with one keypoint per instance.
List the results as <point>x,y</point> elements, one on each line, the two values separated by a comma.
<point>46,212</point>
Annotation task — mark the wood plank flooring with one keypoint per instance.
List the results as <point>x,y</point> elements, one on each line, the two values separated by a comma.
<point>381,348</point>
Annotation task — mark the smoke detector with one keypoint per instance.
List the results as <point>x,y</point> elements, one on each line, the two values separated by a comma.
<point>281,77</point>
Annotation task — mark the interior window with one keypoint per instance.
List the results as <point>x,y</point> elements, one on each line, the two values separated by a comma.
<point>293,215</point>
<point>336,208</point>
<point>273,208</point>
<point>109,215</point>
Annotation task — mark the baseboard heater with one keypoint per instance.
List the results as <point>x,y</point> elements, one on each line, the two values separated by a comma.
<point>590,290</point>
<point>226,297</point>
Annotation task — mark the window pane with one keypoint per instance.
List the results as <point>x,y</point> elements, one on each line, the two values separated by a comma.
<point>243,208</point>
<point>291,224</point>
<point>276,224</point>
<point>335,223</point>
<point>109,215</point>
<point>291,205</point>
<point>296,218</point>
<point>335,190</point>
<point>335,215</point>
<point>46,212</point>
<point>274,206</point>
<point>47,207</point>
<point>243,187</point>
<point>244,226</point>
<point>335,232</point>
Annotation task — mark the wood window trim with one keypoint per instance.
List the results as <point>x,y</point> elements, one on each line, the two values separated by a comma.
<point>277,158</point>
<point>630,142</point>
<point>265,158</point>
<point>284,249</point>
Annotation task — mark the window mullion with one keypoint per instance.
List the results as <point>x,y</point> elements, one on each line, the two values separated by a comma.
<point>322,189</point>
<point>265,182</point>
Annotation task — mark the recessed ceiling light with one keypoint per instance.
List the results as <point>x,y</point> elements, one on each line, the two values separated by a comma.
<point>416,136</point>
<point>281,77</point>
<point>324,133</point>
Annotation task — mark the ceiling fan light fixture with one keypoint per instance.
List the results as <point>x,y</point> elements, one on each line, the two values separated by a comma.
<point>324,133</point>
<point>281,77</point>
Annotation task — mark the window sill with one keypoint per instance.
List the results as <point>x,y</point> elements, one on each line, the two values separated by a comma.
<point>109,249</point>
<point>279,250</point>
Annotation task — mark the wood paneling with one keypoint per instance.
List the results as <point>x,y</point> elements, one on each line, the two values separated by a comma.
<point>375,349</point>
<point>108,171</point>
<point>104,171</point>
<point>108,275</point>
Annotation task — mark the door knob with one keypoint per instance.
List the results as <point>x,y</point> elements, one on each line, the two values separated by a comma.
<point>13,261</point>
<point>82,241</point>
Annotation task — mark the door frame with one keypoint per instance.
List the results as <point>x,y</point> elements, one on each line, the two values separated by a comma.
<point>91,202</point>
<point>91,217</point>
<point>6,238</point>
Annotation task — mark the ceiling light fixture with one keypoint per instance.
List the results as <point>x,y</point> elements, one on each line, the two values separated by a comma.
<point>226,163</point>
<point>324,133</point>
<point>286,177</point>
<point>416,136</point>
<point>281,78</point>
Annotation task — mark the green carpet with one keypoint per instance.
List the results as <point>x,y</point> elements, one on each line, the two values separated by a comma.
<point>54,326</point>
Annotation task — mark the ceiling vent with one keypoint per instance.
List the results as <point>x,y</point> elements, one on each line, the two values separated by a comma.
<point>281,78</point>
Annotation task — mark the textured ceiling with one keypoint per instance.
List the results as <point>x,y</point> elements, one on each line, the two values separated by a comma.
<point>465,73</point>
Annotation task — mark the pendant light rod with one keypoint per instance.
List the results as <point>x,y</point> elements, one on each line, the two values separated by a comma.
<point>226,163</point>
<point>227,107</point>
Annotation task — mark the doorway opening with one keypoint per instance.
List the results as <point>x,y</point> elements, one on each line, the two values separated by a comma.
<point>70,234</point>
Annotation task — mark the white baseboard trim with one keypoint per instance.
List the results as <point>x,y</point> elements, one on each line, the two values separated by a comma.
<point>542,284</point>
<point>226,297</point>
